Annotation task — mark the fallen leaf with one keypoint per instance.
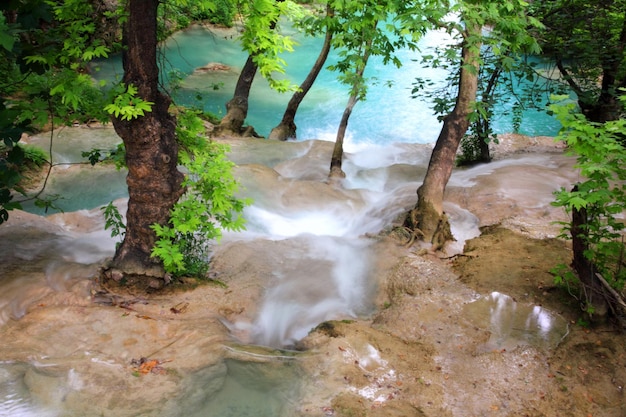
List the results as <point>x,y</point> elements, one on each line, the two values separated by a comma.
<point>179,308</point>
<point>145,366</point>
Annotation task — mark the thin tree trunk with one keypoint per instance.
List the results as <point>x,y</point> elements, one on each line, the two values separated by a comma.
<point>485,155</point>
<point>287,127</point>
<point>237,107</point>
<point>593,290</point>
<point>154,182</point>
<point>337,156</point>
<point>428,216</point>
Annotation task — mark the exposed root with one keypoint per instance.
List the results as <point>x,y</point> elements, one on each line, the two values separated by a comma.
<point>443,234</point>
<point>414,234</point>
<point>410,227</point>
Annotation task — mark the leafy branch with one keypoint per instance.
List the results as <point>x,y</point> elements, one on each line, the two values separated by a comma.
<point>209,206</point>
<point>601,159</point>
<point>127,105</point>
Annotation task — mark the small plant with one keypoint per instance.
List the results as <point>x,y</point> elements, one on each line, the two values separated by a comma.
<point>115,155</point>
<point>127,105</point>
<point>35,155</point>
<point>114,221</point>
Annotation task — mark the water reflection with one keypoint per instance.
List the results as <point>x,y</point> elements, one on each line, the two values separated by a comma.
<point>231,388</point>
<point>15,399</point>
<point>249,389</point>
<point>512,324</point>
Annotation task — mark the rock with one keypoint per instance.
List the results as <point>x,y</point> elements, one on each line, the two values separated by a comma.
<point>213,67</point>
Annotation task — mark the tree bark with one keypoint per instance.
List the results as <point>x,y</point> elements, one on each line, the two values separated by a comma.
<point>154,182</point>
<point>594,295</point>
<point>428,216</point>
<point>337,156</point>
<point>237,107</point>
<point>287,127</point>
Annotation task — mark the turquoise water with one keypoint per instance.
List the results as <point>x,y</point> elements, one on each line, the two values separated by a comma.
<point>388,115</point>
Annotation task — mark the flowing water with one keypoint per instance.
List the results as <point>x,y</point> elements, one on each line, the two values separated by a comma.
<point>324,268</point>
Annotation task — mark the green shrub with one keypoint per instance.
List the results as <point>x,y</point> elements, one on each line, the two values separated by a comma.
<point>601,159</point>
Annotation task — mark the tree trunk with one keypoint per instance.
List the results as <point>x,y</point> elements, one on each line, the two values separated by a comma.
<point>287,127</point>
<point>355,94</point>
<point>594,294</point>
<point>428,216</point>
<point>154,182</point>
<point>484,131</point>
<point>337,157</point>
<point>606,107</point>
<point>237,107</point>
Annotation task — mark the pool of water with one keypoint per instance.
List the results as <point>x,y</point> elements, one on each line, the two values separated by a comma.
<point>388,115</point>
<point>233,388</point>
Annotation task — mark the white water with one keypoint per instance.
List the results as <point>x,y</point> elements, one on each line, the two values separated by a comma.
<point>325,270</point>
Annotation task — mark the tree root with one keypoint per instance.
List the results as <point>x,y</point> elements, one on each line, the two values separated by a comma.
<point>414,234</point>
<point>613,298</point>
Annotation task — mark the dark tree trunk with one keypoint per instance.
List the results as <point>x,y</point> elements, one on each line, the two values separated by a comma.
<point>154,182</point>
<point>237,107</point>
<point>287,127</point>
<point>606,107</point>
<point>337,156</point>
<point>593,292</point>
<point>428,216</point>
<point>484,129</point>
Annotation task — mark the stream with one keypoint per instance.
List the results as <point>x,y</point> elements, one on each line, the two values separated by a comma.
<point>306,242</point>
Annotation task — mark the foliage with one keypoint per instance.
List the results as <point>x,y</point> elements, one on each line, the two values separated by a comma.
<point>35,155</point>
<point>223,13</point>
<point>113,221</point>
<point>505,41</point>
<point>601,159</point>
<point>175,15</point>
<point>10,161</point>
<point>44,54</point>
<point>208,207</point>
<point>587,42</point>
<point>370,28</point>
<point>263,40</point>
<point>127,105</point>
